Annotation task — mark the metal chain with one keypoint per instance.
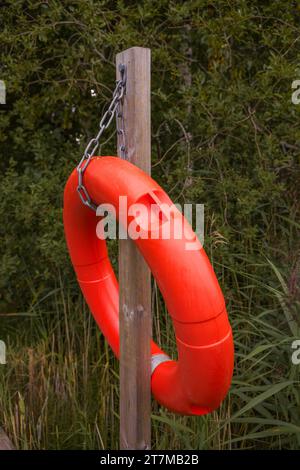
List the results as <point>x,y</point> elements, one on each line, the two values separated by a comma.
<point>114,109</point>
<point>121,131</point>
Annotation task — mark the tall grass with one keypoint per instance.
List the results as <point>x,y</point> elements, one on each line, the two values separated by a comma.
<point>59,389</point>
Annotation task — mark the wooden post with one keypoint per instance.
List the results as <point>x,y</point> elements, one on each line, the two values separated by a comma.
<point>134,274</point>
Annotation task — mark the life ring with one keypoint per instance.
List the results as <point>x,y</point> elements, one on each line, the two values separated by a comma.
<point>198,382</point>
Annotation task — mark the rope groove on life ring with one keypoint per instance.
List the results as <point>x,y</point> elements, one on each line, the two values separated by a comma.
<point>200,379</point>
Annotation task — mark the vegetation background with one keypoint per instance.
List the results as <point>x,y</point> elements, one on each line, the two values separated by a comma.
<point>224,133</point>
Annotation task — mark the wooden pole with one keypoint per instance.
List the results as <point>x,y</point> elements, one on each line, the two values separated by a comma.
<point>134,274</point>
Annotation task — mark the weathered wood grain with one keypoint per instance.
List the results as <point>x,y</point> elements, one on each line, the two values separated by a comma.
<point>134,274</point>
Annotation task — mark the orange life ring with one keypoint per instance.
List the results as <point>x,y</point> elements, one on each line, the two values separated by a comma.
<point>200,379</point>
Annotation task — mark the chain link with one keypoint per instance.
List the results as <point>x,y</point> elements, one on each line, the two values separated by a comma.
<point>114,109</point>
<point>121,131</point>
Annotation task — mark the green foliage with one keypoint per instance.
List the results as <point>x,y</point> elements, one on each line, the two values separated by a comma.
<point>224,133</point>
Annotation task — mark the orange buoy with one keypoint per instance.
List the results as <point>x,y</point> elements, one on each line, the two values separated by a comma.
<point>199,380</point>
